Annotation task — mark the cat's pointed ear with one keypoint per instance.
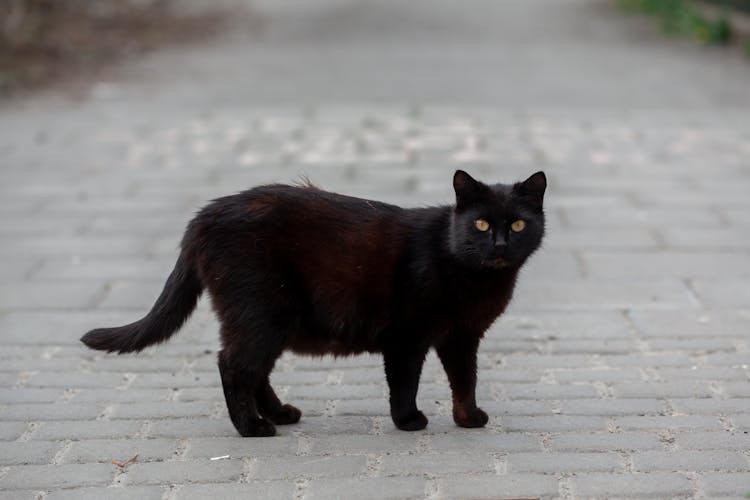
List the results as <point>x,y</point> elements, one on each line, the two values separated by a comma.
<point>467,188</point>
<point>533,188</point>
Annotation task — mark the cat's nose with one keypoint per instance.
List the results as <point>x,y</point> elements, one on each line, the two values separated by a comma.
<point>498,249</point>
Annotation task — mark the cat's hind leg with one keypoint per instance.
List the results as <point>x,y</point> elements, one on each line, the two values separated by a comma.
<point>240,383</point>
<point>271,408</point>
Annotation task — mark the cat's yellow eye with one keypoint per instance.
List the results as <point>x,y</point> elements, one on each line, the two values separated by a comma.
<point>482,225</point>
<point>518,226</point>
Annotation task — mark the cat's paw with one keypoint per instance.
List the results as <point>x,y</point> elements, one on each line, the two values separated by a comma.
<point>257,427</point>
<point>476,417</point>
<point>413,422</point>
<point>285,415</point>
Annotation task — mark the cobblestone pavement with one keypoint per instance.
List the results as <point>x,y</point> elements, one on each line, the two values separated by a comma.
<point>620,370</point>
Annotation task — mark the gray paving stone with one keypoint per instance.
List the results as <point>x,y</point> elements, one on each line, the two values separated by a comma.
<point>75,380</point>
<point>41,364</point>
<point>594,346</point>
<point>602,238</point>
<point>10,431</point>
<point>19,495</point>
<point>28,453</point>
<point>512,485</point>
<point>237,447</point>
<point>436,464</point>
<point>350,444</point>
<point>709,406</point>
<point>741,422</point>
<point>676,422</point>
<point>598,375</point>
<point>308,466</point>
<point>162,409</point>
<point>315,426</point>
<point>693,345</point>
<point>49,326</point>
<point>124,294</point>
<point>706,239</point>
<point>20,269</point>
<point>688,461</point>
<point>636,218</point>
<point>662,389</point>
<point>713,440</point>
<point>525,361</point>
<point>725,359</point>
<point>42,477</point>
<point>365,391</point>
<point>72,246</point>
<point>175,380</point>
<point>106,450</point>
<point>204,471</point>
<point>682,324</point>
<point>112,492</point>
<point>519,407</point>
<point>86,429</point>
<point>722,293</point>
<point>191,427</point>
<point>462,442</point>
<point>26,395</point>
<point>609,295</point>
<point>272,490</point>
<point>654,484</point>
<point>729,484</point>
<point>549,391</point>
<point>139,364</point>
<point>48,295</point>
<point>648,360</point>
<point>551,463</point>
<point>732,373</point>
<point>605,441</point>
<point>121,395</point>
<point>319,377</point>
<point>736,389</point>
<point>199,394</point>
<point>654,265</point>
<point>554,423</point>
<point>366,488</point>
<point>611,407</point>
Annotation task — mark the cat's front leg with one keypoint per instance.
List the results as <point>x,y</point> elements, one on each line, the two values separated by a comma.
<point>403,367</point>
<point>459,357</point>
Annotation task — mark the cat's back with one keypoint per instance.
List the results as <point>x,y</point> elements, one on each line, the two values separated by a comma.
<point>287,220</point>
<point>308,203</point>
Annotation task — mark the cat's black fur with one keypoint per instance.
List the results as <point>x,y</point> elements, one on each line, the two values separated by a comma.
<point>300,269</point>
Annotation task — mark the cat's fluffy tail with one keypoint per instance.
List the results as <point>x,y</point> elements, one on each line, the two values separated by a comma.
<point>171,310</point>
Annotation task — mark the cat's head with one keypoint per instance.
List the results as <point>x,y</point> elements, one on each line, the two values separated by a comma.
<point>496,226</point>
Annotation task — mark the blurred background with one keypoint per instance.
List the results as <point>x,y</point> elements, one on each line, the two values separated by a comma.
<point>541,53</point>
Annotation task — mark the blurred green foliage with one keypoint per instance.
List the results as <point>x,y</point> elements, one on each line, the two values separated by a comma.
<point>683,17</point>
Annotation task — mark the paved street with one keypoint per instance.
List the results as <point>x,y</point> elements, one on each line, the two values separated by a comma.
<point>620,370</point>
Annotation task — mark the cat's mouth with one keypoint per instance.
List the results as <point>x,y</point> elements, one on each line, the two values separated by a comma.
<point>496,263</point>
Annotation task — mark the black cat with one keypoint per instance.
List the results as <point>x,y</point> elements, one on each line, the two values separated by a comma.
<point>315,272</point>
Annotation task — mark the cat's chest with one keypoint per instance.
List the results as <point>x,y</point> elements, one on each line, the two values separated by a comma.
<point>473,306</point>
